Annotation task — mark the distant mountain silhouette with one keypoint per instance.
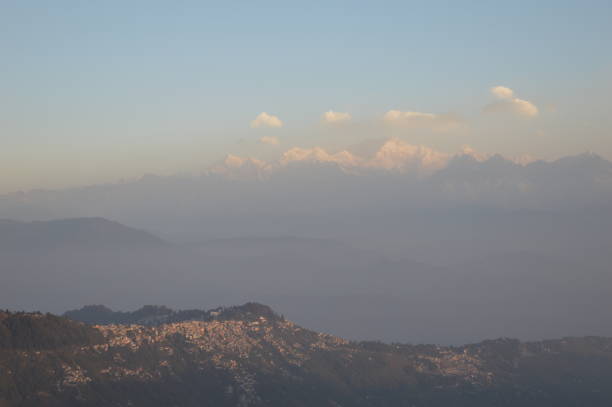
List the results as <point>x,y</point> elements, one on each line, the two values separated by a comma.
<point>498,288</point>
<point>96,233</point>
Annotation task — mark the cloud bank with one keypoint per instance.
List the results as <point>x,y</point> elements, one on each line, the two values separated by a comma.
<point>390,155</point>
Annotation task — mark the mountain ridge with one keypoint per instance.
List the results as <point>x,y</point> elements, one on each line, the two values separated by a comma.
<point>153,315</point>
<point>89,232</point>
<point>247,359</point>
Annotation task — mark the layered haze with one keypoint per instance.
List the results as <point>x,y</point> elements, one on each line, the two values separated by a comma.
<point>406,171</point>
<point>389,241</point>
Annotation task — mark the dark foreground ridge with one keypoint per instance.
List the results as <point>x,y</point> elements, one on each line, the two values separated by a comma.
<point>151,315</point>
<point>250,356</point>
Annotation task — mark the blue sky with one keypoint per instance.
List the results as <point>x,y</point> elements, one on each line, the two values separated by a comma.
<point>96,91</point>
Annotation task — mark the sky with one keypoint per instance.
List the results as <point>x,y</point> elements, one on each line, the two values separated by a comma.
<point>94,92</point>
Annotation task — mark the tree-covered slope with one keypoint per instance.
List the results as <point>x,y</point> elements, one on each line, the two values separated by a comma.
<point>250,356</point>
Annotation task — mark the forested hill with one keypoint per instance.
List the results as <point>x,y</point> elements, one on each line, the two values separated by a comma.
<point>157,315</point>
<point>250,356</point>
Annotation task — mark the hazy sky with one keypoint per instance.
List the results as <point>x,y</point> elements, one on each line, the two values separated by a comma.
<point>97,91</point>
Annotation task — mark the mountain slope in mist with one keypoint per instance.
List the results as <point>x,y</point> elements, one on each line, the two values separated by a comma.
<point>307,195</point>
<point>78,233</point>
<point>330,286</point>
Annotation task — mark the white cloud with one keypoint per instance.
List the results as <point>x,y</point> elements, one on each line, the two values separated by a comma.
<point>266,120</point>
<point>269,140</point>
<point>525,107</point>
<point>510,104</point>
<point>233,161</point>
<point>502,92</point>
<point>517,106</point>
<point>435,122</point>
<point>335,117</point>
<point>396,154</point>
<point>396,115</point>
